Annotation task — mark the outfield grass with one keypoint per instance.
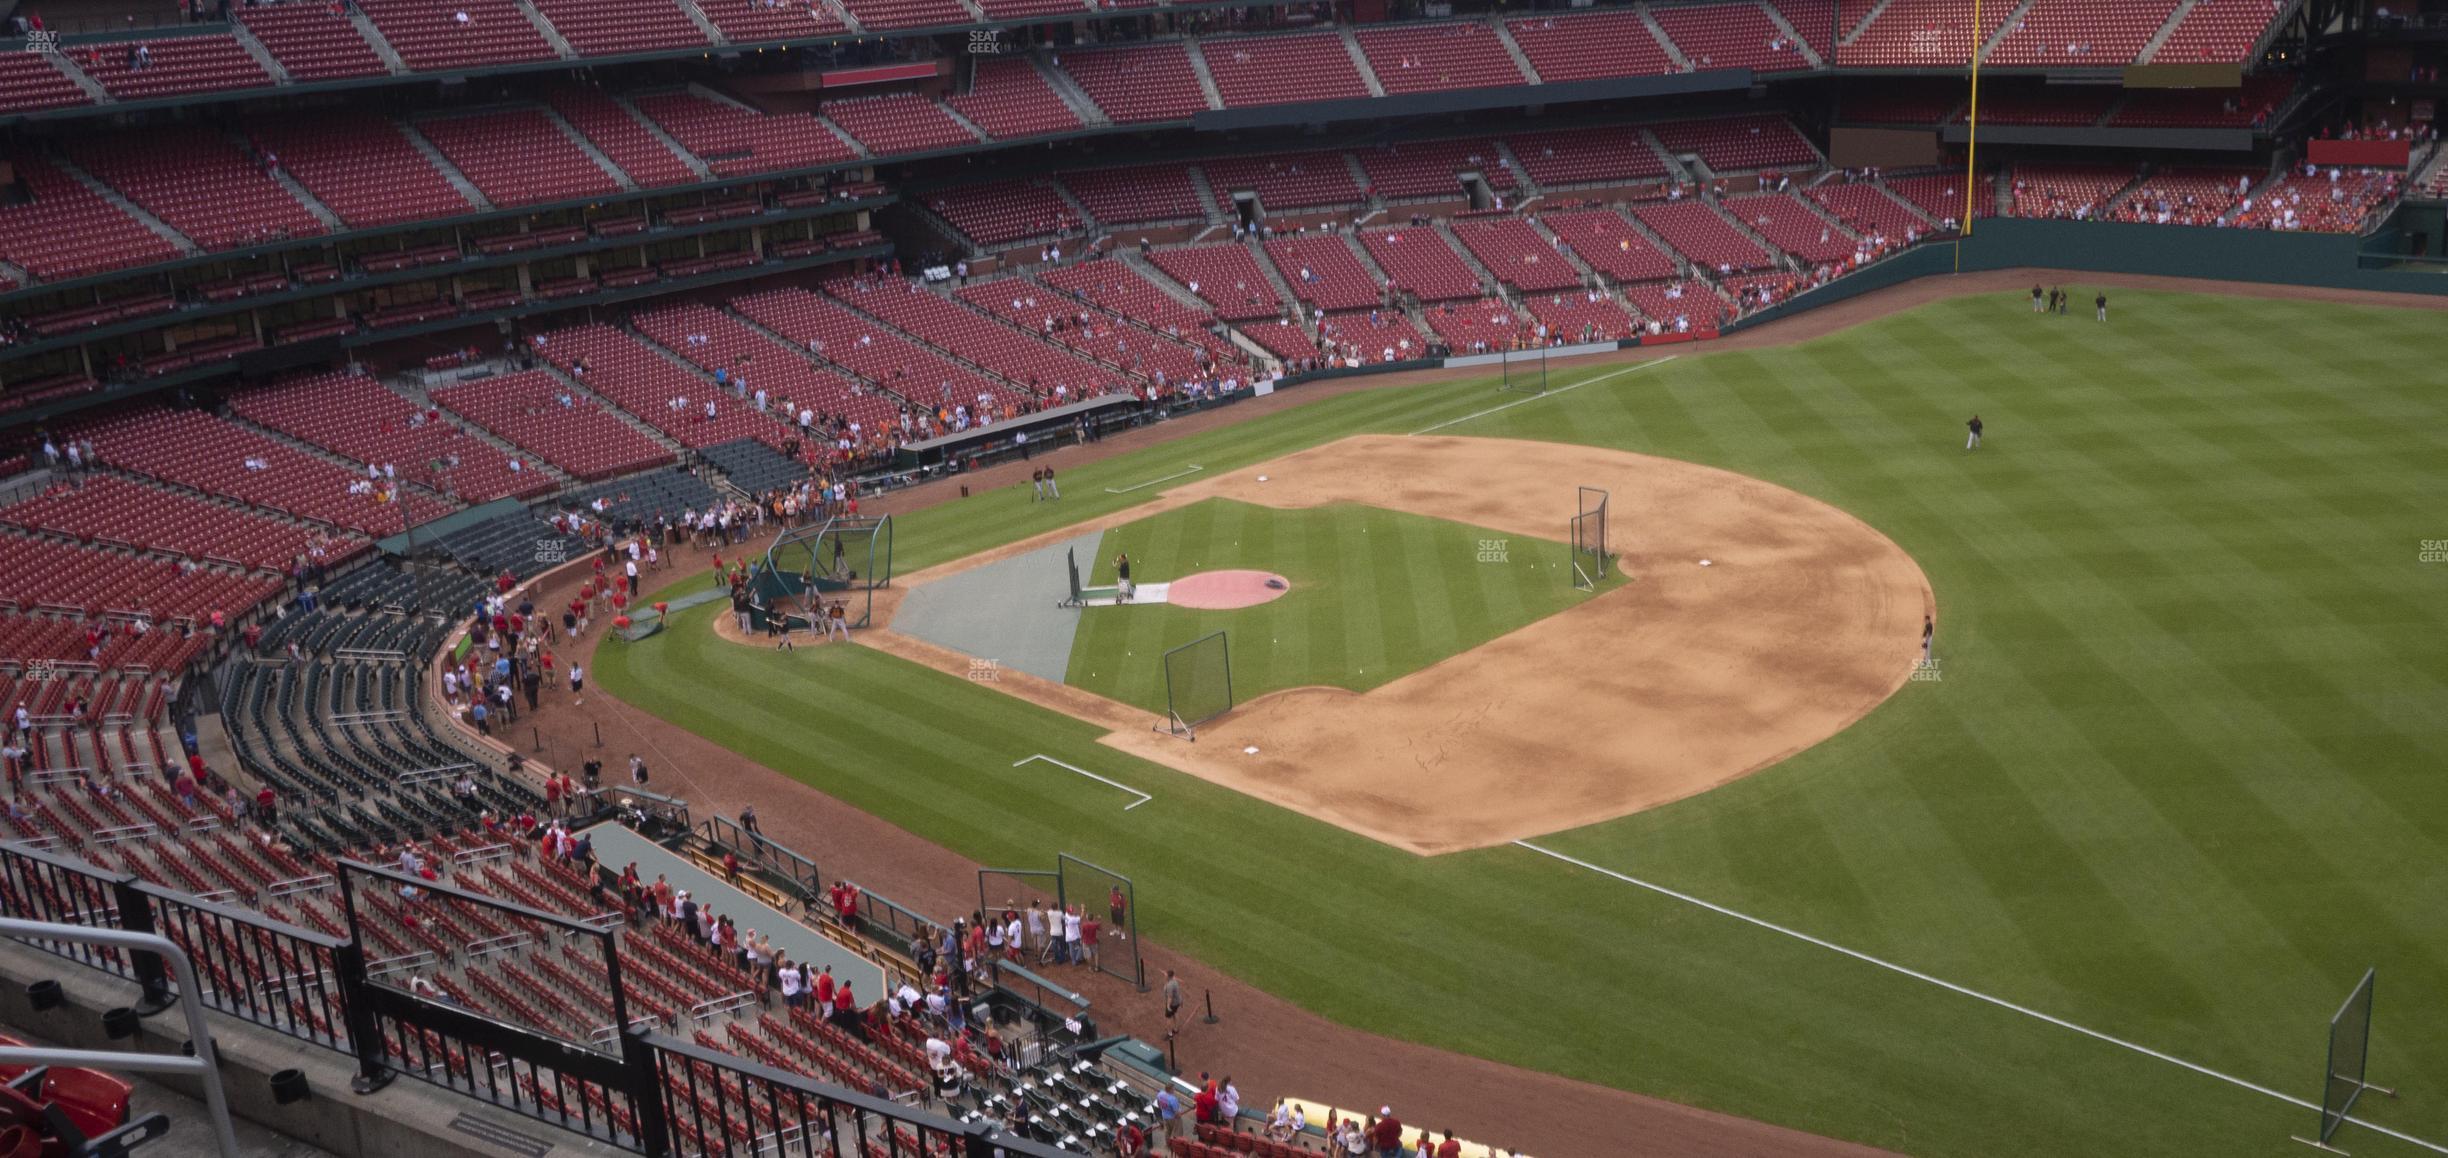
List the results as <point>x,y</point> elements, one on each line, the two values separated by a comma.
<point>2181,780</point>
<point>1375,595</point>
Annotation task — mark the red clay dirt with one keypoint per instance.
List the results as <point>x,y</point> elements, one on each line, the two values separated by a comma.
<point>1269,1045</point>
<point>1227,590</point>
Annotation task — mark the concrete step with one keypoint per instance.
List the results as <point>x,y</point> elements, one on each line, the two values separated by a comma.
<point>1792,34</point>
<point>374,37</point>
<point>2159,39</point>
<point>1070,92</point>
<point>67,68</point>
<point>2012,18</point>
<point>578,390</point>
<point>964,122</point>
<point>544,28</point>
<point>313,204</point>
<point>690,159</point>
<point>1359,59</point>
<point>1266,269</point>
<point>1854,33</point>
<point>704,23</point>
<point>262,55</point>
<point>588,147</point>
<point>1513,48</point>
<point>1682,264</point>
<point>450,172</point>
<point>1161,280</point>
<point>1206,80</point>
<point>1207,196</point>
<point>1487,277</point>
<point>1674,52</point>
<point>527,458</point>
<point>1743,227</point>
<point>156,224</point>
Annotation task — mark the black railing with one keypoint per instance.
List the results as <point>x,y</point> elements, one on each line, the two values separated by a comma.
<point>761,851</point>
<point>630,1088</point>
<point>258,969</point>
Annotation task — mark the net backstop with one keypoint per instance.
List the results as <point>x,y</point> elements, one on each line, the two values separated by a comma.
<point>1198,684</point>
<point>2342,1078</point>
<point>1590,556</point>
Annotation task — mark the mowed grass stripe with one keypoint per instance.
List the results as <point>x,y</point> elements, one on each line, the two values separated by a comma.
<point>2179,781</point>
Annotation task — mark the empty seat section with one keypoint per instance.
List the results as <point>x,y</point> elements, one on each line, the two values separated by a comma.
<point>1435,57</point>
<point>38,572</point>
<point>32,81</point>
<point>112,510</point>
<point>2080,33</point>
<point>1736,144</point>
<point>1371,336</point>
<point>1790,225</point>
<point>1868,210</point>
<point>140,70</point>
<point>1147,82</point>
<point>2218,30</point>
<point>1137,195</point>
<point>197,182</point>
<point>1813,20</point>
<point>1738,35</point>
<point>312,40</point>
<point>2076,191</point>
<point>539,413</point>
<point>1675,305</point>
<point>1921,34</point>
<point>67,230</point>
<point>518,157</point>
<point>1578,315</point>
<point>1697,232</point>
<point>1009,99</point>
<point>637,379</point>
<point>1097,333</point>
<point>1512,249</point>
<point>359,418</point>
<point>1324,273</point>
<point>1271,70</point>
<point>732,140</point>
<point>1609,244</point>
<point>1476,326</point>
<point>1591,47</point>
<point>1224,276</point>
<point>1037,367</point>
<point>362,167</point>
<point>876,14</point>
<point>435,35</point>
<point>621,136</point>
<point>1433,168</point>
<point>614,27</point>
<point>1119,289</point>
<point>714,340</point>
<point>1003,212</point>
<point>1283,339</point>
<point>1587,157</point>
<point>1284,181</point>
<point>1941,195</point>
<point>1420,264</point>
<point>902,122</point>
<point>873,352</point>
<point>1021,9</point>
<point>751,21</point>
<point>190,449</point>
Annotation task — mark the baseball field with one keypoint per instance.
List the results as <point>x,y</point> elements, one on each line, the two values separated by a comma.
<point>2175,780</point>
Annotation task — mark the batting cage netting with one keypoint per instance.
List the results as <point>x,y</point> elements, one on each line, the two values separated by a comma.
<point>1198,684</point>
<point>1589,539</point>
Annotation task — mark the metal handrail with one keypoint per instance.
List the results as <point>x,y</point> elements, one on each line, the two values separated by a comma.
<point>205,1065</point>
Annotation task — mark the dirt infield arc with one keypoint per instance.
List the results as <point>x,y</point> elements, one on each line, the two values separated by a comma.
<point>1685,678</point>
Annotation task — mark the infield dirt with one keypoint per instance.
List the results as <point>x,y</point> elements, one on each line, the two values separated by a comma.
<point>1687,677</point>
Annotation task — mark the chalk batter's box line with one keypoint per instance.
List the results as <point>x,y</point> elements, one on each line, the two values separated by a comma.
<point>1143,797</point>
<point>1194,469</point>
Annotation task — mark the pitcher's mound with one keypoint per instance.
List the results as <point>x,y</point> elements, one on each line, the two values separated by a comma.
<point>1227,590</point>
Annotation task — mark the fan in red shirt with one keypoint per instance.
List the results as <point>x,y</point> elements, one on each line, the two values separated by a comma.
<point>1386,1135</point>
<point>1203,1103</point>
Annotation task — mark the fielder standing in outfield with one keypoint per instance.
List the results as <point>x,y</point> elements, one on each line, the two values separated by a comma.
<point>2102,303</point>
<point>1973,443</point>
<point>1051,490</point>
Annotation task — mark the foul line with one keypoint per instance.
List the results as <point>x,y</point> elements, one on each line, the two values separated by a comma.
<point>1194,469</point>
<point>1143,797</point>
<point>1975,994</point>
<point>1638,366</point>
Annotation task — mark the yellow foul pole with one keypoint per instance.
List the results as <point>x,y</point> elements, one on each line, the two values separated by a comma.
<point>1971,140</point>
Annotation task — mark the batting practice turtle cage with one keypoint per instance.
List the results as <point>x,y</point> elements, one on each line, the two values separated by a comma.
<point>842,559</point>
<point>1198,684</point>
